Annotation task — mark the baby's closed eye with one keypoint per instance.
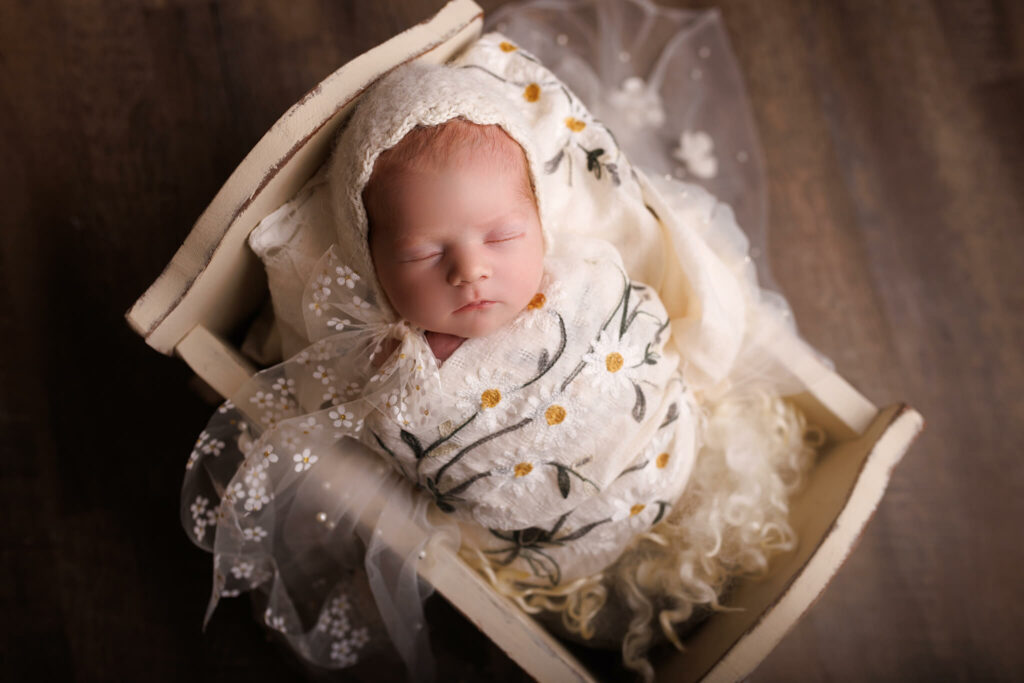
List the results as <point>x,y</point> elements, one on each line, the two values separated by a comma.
<point>419,255</point>
<point>505,236</point>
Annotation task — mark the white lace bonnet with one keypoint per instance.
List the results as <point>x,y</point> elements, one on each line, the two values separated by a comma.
<point>412,95</point>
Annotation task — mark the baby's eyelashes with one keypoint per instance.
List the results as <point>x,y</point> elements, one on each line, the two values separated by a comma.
<point>504,237</point>
<point>418,256</point>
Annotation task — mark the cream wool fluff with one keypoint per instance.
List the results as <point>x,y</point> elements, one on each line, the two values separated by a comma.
<point>414,94</point>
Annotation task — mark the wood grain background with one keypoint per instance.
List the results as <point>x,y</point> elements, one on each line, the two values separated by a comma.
<point>894,139</point>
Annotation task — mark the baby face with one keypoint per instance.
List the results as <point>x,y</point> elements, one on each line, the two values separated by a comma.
<point>461,250</point>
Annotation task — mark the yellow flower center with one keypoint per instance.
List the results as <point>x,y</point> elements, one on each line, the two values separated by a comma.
<point>507,46</point>
<point>532,93</point>
<point>490,398</point>
<point>574,124</point>
<point>523,468</point>
<point>636,509</point>
<point>662,460</point>
<point>537,301</point>
<point>613,361</point>
<point>554,414</point>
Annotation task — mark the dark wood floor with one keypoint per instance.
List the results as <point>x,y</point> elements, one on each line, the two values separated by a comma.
<point>894,139</point>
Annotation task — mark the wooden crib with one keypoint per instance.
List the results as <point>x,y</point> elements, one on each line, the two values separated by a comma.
<point>215,283</point>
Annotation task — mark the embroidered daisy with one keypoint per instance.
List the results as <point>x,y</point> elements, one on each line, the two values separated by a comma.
<point>487,393</point>
<point>557,417</point>
<point>611,364</point>
<point>520,470</point>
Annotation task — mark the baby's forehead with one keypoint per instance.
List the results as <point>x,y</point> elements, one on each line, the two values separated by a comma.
<point>452,142</point>
<point>426,151</point>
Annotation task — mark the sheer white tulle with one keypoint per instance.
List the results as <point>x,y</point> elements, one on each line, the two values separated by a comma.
<point>665,80</point>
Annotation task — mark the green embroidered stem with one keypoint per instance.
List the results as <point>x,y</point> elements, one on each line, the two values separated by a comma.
<point>479,442</point>
<point>563,341</point>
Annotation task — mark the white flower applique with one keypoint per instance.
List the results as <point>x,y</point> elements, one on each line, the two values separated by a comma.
<point>696,150</point>
<point>347,641</point>
<point>394,404</point>
<point>321,290</point>
<point>325,375</point>
<point>338,324</point>
<point>255,487</point>
<point>346,277</point>
<point>202,516</point>
<point>638,104</point>
<point>275,622</point>
<point>304,460</point>
<point>332,396</point>
<point>262,399</point>
<point>341,418</point>
<point>208,445</point>
<point>242,570</point>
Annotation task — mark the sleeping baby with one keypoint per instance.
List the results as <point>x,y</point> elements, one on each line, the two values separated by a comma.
<point>505,362</point>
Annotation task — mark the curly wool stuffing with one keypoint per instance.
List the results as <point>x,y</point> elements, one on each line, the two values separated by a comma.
<point>732,518</point>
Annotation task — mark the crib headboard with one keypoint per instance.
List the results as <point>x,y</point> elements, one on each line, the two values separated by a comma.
<point>215,265</point>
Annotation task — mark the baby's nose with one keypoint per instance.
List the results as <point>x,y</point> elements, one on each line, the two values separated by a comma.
<point>468,267</point>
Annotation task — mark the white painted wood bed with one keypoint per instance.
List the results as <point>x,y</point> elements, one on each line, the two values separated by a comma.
<point>214,283</point>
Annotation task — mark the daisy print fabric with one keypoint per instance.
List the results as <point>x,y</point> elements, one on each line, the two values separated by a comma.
<point>549,423</point>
